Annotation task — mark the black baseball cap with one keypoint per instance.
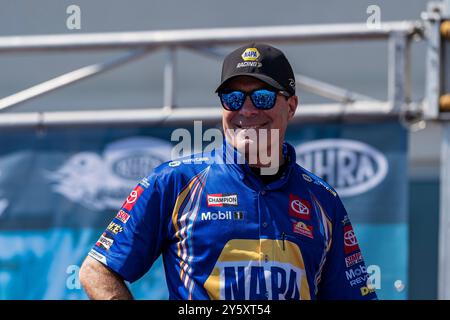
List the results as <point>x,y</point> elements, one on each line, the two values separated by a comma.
<point>262,62</point>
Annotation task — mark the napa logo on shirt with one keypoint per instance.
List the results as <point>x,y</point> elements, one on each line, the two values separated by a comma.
<point>258,269</point>
<point>250,54</point>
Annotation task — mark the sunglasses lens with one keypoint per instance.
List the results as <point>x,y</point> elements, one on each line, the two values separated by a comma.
<point>264,99</point>
<point>232,100</point>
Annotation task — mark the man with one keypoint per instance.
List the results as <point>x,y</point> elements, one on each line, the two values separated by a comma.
<point>230,229</point>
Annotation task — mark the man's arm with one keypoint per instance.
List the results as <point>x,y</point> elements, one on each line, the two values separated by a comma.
<point>100,283</point>
<point>344,275</point>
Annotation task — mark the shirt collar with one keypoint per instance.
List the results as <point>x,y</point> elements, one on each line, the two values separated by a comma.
<point>232,157</point>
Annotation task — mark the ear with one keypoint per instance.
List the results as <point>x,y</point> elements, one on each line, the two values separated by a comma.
<point>292,104</point>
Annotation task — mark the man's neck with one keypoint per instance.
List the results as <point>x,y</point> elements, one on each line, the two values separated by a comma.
<point>273,176</point>
<point>272,164</point>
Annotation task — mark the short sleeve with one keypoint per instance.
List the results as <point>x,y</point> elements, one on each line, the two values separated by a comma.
<point>134,238</point>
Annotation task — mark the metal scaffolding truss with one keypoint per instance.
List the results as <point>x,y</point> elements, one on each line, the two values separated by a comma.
<point>205,41</point>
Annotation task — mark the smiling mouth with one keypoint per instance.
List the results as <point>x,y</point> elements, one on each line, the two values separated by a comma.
<point>253,126</point>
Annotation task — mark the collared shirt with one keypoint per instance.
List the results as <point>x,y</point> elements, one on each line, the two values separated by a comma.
<point>224,234</point>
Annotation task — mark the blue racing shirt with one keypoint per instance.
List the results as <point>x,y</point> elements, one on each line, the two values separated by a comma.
<point>223,234</point>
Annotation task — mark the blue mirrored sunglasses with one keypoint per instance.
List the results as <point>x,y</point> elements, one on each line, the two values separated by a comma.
<point>263,99</point>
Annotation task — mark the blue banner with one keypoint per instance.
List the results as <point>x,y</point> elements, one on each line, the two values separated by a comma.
<point>60,188</point>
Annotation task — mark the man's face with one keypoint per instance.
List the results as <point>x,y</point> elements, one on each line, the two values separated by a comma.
<point>249,117</point>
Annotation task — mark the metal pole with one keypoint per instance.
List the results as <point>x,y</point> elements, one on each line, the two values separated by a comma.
<point>433,67</point>
<point>398,72</point>
<point>329,91</point>
<point>444,214</point>
<point>204,37</point>
<point>362,110</point>
<point>68,78</point>
<point>444,219</point>
<point>169,79</point>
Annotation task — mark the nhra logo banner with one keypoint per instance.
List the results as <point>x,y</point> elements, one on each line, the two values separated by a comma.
<point>350,166</point>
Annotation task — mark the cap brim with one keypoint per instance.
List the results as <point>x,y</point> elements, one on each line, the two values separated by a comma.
<point>261,77</point>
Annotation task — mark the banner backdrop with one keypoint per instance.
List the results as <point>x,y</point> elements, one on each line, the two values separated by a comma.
<point>60,188</point>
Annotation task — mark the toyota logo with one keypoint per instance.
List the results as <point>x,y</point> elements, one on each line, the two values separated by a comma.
<point>350,239</point>
<point>299,207</point>
<point>132,197</point>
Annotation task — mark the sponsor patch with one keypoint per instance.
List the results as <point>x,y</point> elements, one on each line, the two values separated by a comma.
<point>277,274</point>
<point>322,184</point>
<point>144,182</point>
<point>366,290</point>
<point>222,215</point>
<point>132,198</point>
<point>250,54</point>
<point>330,190</point>
<point>303,229</point>
<point>355,272</point>
<point>122,216</point>
<point>195,160</point>
<point>174,163</point>
<point>104,242</point>
<point>359,280</point>
<point>350,241</point>
<point>221,200</point>
<point>114,228</point>
<point>353,259</point>
<point>97,256</point>
<point>299,208</point>
<point>306,177</point>
<point>346,220</point>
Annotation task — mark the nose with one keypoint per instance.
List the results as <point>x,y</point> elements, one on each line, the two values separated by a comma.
<point>248,109</point>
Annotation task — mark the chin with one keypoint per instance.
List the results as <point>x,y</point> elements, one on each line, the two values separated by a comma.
<point>245,144</point>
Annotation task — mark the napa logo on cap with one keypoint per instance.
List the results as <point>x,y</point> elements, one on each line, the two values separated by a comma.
<point>250,54</point>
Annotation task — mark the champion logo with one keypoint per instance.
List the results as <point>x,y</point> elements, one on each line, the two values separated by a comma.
<point>299,208</point>
<point>221,200</point>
